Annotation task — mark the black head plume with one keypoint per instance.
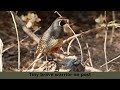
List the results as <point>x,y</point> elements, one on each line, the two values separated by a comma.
<point>61,21</point>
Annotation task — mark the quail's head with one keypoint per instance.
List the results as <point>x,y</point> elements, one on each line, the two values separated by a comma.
<point>58,27</point>
<point>60,21</point>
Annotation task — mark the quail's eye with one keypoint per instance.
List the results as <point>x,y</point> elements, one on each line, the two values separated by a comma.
<point>61,23</point>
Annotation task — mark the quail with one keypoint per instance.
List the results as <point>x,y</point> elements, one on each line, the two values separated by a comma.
<point>52,39</point>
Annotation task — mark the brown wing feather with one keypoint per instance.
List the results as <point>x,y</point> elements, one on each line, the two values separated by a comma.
<point>54,45</point>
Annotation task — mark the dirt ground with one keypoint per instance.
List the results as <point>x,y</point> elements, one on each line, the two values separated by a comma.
<point>82,21</point>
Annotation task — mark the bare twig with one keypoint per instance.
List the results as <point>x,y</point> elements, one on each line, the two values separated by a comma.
<point>111,61</point>
<point>78,42</point>
<point>68,49</point>
<point>90,60</point>
<point>62,50</point>
<point>105,47</point>
<point>1,48</point>
<point>8,48</point>
<point>17,39</point>
<point>58,13</point>
<point>34,62</point>
<point>113,28</point>
<point>15,44</point>
<point>105,50</point>
<point>42,67</point>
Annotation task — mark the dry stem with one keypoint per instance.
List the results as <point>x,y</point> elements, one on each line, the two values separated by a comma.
<point>1,48</point>
<point>17,39</point>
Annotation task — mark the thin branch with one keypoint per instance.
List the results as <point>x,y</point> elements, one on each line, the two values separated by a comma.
<point>105,47</point>
<point>8,48</point>
<point>105,50</point>
<point>113,28</point>
<point>77,41</point>
<point>62,50</point>
<point>58,13</point>
<point>34,62</point>
<point>1,48</point>
<point>15,44</point>
<point>90,60</point>
<point>42,67</point>
<point>111,61</point>
<point>17,39</point>
<point>68,49</point>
